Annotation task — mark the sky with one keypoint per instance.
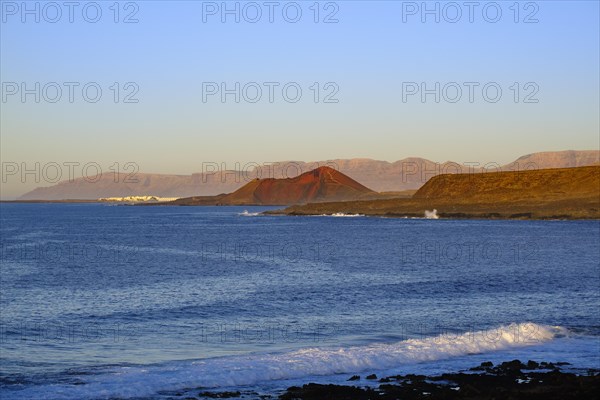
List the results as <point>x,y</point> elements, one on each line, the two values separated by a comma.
<point>169,85</point>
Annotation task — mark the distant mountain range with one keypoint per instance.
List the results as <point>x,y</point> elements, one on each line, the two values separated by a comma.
<point>380,176</point>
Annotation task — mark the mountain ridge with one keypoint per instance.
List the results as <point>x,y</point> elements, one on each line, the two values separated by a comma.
<point>382,176</point>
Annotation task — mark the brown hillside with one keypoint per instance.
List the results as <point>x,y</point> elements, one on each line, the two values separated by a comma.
<point>545,184</point>
<point>319,185</point>
<point>569,193</point>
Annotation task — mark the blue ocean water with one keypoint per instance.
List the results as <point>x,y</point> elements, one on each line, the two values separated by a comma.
<point>101,301</point>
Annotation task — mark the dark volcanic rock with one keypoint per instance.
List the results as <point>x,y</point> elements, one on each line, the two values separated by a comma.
<point>323,392</point>
<point>504,381</point>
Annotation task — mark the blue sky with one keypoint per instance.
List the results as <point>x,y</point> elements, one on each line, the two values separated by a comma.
<point>368,56</point>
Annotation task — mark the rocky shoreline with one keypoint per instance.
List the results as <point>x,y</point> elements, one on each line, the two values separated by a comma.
<point>509,380</point>
<point>569,193</point>
<point>588,208</point>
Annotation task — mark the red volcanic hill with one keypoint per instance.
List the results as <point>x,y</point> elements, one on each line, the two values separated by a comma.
<point>323,184</point>
<point>319,185</point>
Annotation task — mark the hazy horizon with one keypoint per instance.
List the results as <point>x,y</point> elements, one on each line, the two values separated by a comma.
<point>16,184</point>
<point>162,68</point>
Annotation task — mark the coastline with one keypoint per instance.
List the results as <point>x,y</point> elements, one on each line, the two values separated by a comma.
<point>397,208</point>
<point>561,193</point>
<point>510,380</point>
<point>507,380</point>
<point>567,193</point>
<point>50,201</point>
<point>580,209</point>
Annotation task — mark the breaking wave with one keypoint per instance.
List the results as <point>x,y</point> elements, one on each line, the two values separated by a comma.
<point>343,215</point>
<point>246,370</point>
<point>245,213</point>
<point>431,214</point>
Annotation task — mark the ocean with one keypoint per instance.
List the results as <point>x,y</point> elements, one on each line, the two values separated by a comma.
<point>105,301</point>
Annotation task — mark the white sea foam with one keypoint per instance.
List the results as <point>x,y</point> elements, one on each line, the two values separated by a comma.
<point>253,369</point>
<point>343,215</point>
<point>431,214</point>
<point>248,214</point>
